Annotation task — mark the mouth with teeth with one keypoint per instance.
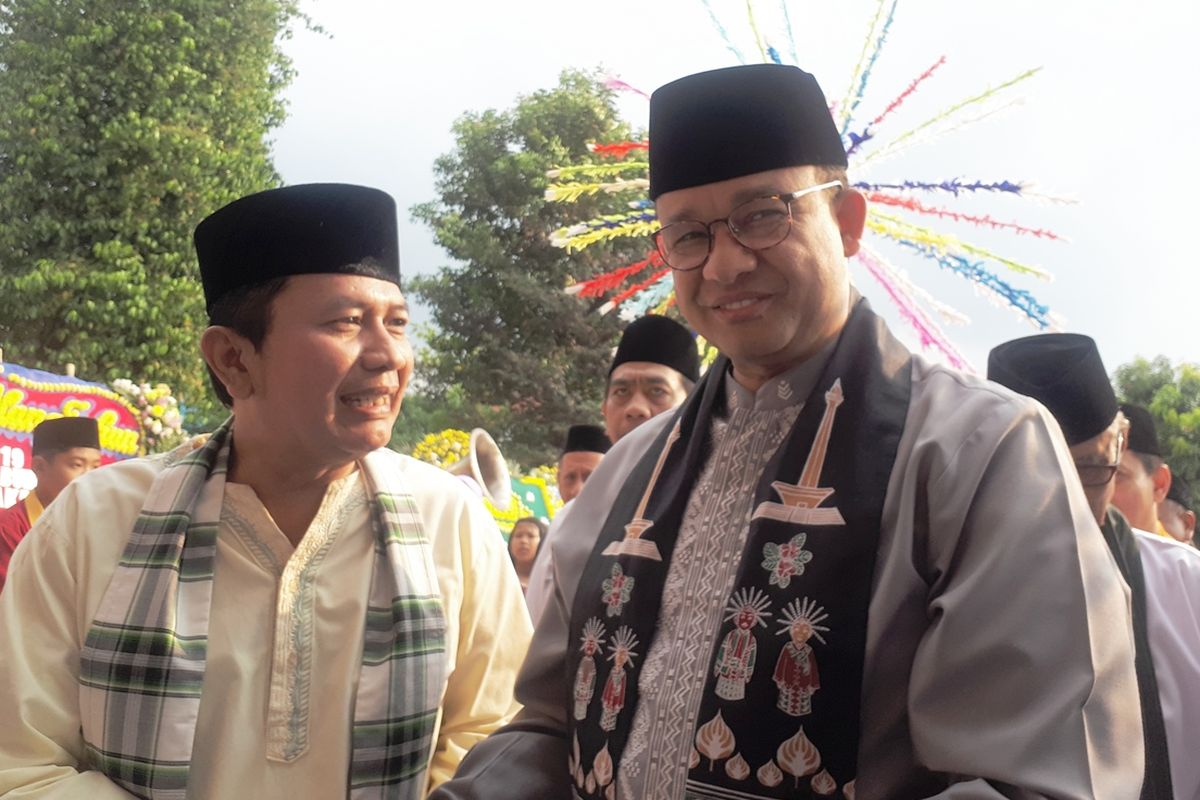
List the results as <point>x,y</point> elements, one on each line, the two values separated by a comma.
<point>370,401</point>
<point>740,308</point>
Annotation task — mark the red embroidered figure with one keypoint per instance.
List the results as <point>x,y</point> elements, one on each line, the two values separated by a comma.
<point>585,677</point>
<point>796,670</point>
<point>735,659</point>
<point>612,700</point>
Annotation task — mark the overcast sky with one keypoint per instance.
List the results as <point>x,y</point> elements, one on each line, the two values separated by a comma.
<point>1110,121</point>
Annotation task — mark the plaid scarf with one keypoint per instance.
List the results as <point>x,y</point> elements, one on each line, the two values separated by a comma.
<point>142,664</point>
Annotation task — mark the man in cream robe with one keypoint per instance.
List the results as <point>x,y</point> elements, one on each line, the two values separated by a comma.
<point>288,609</point>
<point>274,723</point>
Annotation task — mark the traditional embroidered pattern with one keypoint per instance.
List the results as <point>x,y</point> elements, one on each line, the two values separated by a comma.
<point>616,590</point>
<point>735,660</point>
<point>695,659</point>
<point>802,500</point>
<point>796,670</point>
<point>633,544</point>
<point>787,560</point>
<point>585,677</point>
<point>715,741</point>
<point>704,565</point>
<point>621,653</point>
<point>798,757</point>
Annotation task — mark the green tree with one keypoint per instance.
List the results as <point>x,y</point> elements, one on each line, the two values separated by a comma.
<point>1172,394</point>
<point>531,358</point>
<point>122,124</point>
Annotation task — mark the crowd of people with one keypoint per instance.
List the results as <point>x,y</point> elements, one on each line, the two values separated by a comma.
<point>825,567</point>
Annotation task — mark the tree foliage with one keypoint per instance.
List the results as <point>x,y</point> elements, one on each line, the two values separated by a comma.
<point>1172,394</point>
<point>531,359</point>
<point>122,124</point>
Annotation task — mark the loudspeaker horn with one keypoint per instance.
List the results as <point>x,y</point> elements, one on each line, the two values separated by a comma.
<point>485,465</point>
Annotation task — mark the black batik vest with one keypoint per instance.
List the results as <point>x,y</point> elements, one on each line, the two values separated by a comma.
<point>780,712</point>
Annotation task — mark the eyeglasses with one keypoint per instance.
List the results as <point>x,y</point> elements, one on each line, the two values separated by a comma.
<point>1096,474</point>
<point>1092,475</point>
<point>756,225</point>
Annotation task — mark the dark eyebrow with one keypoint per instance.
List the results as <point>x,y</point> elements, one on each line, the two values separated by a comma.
<point>745,195</point>
<point>654,380</point>
<point>338,301</point>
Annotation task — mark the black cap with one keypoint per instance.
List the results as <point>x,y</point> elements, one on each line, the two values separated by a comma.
<point>297,230</point>
<point>659,340</point>
<point>587,439</point>
<point>722,124</point>
<point>1143,438</point>
<point>64,433</point>
<point>1063,372</point>
<point>1179,492</point>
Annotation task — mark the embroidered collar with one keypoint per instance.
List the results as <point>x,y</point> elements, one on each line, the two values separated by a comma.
<point>789,388</point>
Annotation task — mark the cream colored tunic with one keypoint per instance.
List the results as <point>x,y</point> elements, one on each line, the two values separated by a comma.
<point>285,636</point>
<point>999,652</point>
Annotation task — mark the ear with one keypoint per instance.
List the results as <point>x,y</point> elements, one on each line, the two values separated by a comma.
<point>1162,482</point>
<point>39,466</point>
<point>850,210</point>
<point>230,355</point>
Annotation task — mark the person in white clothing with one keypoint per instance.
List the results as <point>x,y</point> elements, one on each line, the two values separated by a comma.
<point>1064,372</point>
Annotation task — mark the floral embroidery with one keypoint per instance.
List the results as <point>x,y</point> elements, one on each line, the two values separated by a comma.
<point>616,590</point>
<point>787,560</point>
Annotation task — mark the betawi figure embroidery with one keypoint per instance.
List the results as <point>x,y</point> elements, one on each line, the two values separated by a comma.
<point>735,659</point>
<point>616,590</point>
<point>786,561</point>
<point>802,500</point>
<point>585,677</point>
<point>796,670</point>
<point>633,544</point>
<point>621,653</point>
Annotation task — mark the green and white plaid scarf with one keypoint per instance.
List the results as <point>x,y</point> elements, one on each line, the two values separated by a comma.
<point>142,664</point>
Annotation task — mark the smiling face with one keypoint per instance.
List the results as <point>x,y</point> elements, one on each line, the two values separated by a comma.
<point>771,309</point>
<point>327,383</point>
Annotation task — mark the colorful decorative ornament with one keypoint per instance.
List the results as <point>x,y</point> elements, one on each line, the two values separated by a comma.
<point>640,287</point>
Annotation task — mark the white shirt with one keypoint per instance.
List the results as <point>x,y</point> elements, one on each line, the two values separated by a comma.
<point>1172,574</point>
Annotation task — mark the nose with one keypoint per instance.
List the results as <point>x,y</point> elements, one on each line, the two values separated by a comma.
<point>638,407</point>
<point>729,257</point>
<point>384,351</point>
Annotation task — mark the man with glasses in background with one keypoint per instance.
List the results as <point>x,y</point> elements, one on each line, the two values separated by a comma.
<point>837,570</point>
<point>1063,371</point>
